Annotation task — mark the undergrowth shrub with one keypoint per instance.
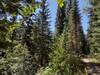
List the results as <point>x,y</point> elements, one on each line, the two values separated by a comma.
<point>61,62</point>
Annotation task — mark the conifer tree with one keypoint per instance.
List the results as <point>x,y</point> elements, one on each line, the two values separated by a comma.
<point>74,30</point>
<point>45,32</point>
<point>73,40</point>
<point>60,20</point>
<point>37,37</point>
<point>94,28</point>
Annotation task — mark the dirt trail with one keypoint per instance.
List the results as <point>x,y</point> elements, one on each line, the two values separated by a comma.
<point>93,68</point>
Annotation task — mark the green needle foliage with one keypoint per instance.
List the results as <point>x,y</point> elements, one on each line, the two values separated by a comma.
<point>67,46</point>
<point>12,52</point>
<point>94,30</point>
<point>56,57</point>
<point>37,39</point>
<point>74,30</point>
<point>60,20</point>
<point>45,33</point>
<point>27,46</point>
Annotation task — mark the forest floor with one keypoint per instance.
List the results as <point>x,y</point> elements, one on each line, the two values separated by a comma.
<point>92,66</point>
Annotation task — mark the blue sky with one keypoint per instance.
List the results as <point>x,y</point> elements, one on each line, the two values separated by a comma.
<point>82,4</point>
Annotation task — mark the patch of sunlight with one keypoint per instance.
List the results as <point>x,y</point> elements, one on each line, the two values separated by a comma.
<point>89,60</point>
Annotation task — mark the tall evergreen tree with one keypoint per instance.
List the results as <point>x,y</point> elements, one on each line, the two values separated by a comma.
<point>74,29</point>
<point>60,20</point>
<point>45,32</point>
<point>94,28</point>
<point>37,38</point>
